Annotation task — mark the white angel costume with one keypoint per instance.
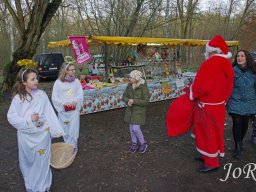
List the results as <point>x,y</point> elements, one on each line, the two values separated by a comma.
<point>62,93</point>
<point>34,139</point>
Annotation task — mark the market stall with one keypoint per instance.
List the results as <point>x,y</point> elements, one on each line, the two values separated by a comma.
<point>163,81</point>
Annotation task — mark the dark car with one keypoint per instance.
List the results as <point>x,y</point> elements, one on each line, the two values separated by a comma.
<point>49,64</point>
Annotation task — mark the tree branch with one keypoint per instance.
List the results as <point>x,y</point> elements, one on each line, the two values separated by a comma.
<point>14,17</point>
<point>20,14</point>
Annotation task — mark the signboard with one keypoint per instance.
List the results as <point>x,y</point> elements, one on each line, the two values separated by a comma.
<point>80,49</point>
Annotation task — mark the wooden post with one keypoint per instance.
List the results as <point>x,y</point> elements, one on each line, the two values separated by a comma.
<point>106,61</point>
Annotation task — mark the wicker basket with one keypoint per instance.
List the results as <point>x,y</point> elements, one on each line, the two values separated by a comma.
<point>62,155</point>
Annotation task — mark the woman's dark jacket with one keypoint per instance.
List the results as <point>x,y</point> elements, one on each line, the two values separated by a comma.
<point>243,98</point>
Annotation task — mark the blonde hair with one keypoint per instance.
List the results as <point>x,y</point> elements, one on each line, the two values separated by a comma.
<point>63,70</point>
<point>19,88</point>
<point>137,75</point>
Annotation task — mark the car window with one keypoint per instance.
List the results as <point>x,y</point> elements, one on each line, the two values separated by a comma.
<point>51,59</point>
<point>58,58</point>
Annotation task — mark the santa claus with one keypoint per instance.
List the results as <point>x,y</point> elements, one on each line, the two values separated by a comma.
<point>210,90</point>
<point>203,105</point>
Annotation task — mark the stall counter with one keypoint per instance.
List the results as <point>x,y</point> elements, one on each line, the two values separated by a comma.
<point>107,98</point>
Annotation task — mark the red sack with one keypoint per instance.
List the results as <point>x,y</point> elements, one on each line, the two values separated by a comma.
<point>69,107</point>
<point>179,118</point>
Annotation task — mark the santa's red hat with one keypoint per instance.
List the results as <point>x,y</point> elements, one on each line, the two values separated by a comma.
<point>219,45</point>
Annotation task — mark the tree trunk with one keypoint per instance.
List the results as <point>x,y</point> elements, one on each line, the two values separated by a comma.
<point>40,16</point>
<point>11,69</point>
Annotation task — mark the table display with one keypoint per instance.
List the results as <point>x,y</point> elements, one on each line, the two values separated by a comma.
<point>107,98</point>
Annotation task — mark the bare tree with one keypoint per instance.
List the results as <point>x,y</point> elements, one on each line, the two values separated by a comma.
<point>186,11</point>
<point>232,4</point>
<point>247,13</point>
<point>30,19</point>
<point>147,18</point>
<point>248,41</point>
<point>120,18</point>
<point>4,35</point>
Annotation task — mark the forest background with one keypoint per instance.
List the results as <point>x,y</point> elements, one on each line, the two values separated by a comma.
<point>184,19</point>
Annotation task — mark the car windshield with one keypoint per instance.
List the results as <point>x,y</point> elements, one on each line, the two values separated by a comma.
<point>52,59</point>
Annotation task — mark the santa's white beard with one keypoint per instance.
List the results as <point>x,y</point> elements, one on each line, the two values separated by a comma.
<point>206,55</point>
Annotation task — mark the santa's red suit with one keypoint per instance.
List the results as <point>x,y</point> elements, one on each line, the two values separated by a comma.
<point>210,90</point>
<point>180,115</point>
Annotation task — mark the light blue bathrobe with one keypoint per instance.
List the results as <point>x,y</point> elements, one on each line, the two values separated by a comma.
<point>34,141</point>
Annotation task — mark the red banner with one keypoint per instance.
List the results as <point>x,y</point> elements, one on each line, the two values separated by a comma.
<point>80,49</point>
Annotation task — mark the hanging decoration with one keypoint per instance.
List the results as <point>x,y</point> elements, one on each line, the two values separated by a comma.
<point>80,49</point>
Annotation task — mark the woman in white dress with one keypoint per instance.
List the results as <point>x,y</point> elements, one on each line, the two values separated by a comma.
<point>32,114</point>
<point>67,98</point>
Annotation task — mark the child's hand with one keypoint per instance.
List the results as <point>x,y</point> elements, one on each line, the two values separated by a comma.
<point>130,102</point>
<point>70,106</point>
<point>35,117</point>
<point>41,121</point>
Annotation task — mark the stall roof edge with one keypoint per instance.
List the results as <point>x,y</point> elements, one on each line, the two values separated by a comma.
<point>134,41</point>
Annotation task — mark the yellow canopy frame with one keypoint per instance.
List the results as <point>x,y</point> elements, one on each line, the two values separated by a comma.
<point>134,41</point>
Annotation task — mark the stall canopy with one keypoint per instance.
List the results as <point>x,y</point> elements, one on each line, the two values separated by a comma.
<point>134,41</point>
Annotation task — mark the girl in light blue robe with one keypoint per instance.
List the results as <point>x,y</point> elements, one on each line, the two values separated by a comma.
<point>32,114</point>
<point>68,93</point>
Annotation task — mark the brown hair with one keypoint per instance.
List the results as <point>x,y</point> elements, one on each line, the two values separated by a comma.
<point>63,71</point>
<point>249,60</point>
<point>19,87</point>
